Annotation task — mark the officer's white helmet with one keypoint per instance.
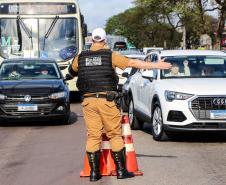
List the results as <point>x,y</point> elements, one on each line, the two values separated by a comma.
<point>99,35</point>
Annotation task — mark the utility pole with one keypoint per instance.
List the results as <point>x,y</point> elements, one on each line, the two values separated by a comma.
<point>184,38</point>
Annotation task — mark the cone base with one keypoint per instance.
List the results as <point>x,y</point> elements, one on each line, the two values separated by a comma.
<point>113,173</point>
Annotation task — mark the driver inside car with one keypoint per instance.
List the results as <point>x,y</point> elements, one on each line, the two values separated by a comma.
<point>44,73</point>
<point>174,71</point>
<point>14,74</point>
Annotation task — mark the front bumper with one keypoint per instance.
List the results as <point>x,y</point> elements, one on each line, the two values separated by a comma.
<point>40,115</point>
<point>197,127</point>
<point>187,122</point>
<point>35,118</point>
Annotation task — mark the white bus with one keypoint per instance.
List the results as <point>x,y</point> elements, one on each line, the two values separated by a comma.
<point>42,29</point>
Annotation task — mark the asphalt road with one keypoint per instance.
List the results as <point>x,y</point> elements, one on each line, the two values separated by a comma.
<point>48,154</point>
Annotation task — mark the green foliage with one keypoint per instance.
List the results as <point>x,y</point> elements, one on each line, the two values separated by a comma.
<point>156,22</point>
<point>136,25</point>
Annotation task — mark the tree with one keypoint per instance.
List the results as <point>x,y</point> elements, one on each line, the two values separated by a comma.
<point>154,22</point>
<point>143,30</point>
<point>220,5</point>
<point>191,14</point>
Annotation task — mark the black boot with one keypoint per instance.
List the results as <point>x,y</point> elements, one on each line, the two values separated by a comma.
<point>94,162</point>
<point>120,162</point>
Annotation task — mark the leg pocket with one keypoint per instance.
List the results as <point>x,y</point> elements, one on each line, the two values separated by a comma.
<point>110,104</point>
<point>85,103</point>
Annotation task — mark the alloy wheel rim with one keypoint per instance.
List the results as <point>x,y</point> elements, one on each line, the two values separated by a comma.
<point>157,121</point>
<point>131,112</point>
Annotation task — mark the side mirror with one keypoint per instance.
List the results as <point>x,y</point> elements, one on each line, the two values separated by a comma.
<point>148,74</point>
<point>84,26</point>
<point>125,74</point>
<point>67,77</point>
<point>84,30</point>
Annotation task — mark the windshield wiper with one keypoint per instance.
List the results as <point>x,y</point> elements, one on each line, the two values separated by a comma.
<point>49,31</point>
<point>27,31</point>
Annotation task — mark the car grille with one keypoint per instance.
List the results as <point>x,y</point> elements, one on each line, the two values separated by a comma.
<point>202,106</point>
<point>10,107</point>
<point>20,99</point>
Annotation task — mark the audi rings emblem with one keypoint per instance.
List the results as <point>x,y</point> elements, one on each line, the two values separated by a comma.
<point>219,101</point>
<point>27,98</point>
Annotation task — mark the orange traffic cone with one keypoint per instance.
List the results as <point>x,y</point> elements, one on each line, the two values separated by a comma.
<point>106,161</point>
<point>86,169</point>
<point>107,164</point>
<point>131,161</point>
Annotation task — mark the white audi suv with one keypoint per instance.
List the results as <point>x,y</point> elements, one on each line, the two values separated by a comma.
<point>191,96</point>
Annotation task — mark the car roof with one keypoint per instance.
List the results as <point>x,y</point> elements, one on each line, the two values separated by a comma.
<point>190,53</point>
<point>29,60</point>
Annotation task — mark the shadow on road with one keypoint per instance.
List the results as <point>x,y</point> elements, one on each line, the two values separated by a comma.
<point>39,123</point>
<point>75,97</point>
<point>192,137</point>
<point>73,118</point>
<point>156,156</point>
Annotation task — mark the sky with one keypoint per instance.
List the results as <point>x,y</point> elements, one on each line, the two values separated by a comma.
<point>97,12</point>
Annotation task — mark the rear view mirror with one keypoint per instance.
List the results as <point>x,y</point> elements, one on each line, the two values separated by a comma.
<point>84,26</point>
<point>149,74</point>
<point>84,30</point>
<point>68,77</point>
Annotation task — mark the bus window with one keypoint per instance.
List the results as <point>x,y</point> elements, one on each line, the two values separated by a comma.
<point>57,33</point>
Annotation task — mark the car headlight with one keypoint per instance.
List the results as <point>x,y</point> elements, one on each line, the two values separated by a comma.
<point>2,97</point>
<point>58,95</point>
<point>171,95</point>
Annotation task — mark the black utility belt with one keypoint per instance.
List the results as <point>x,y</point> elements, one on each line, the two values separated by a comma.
<point>109,96</point>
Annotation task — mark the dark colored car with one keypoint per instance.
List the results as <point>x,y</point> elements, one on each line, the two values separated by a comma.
<point>33,89</point>
<point>120,45</point>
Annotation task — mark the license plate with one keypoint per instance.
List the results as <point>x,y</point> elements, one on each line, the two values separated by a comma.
<point>27,108</point>
<point>218,114</point>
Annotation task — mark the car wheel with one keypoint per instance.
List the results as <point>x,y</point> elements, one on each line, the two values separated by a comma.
<point>134,122</point>
<point>158,132</point>
<point>66,120</point>
<point>123,104</point>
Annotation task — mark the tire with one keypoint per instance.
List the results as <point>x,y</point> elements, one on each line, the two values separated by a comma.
<point>63,120</point>
<point>158,132</point>
<point>134,122</point>
<point>66,121</point>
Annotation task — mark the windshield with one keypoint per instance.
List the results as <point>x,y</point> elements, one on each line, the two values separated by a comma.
<point>195,67</point>
<point>29,70</point>
<point>120,46</point>
<point>54,38</point>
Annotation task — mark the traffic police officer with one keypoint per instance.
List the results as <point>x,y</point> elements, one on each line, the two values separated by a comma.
<point>97,81</point>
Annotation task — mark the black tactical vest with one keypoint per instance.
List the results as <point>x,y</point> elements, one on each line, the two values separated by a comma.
<point>95,72</point>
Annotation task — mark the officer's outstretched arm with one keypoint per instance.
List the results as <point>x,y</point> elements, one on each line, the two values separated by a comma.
<point>161,64</point>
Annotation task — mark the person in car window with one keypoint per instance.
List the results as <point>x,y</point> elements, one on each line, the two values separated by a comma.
<point>211,71</point>
<point>44,73</point>
<point>174,71</point>
<point>14,74</point>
